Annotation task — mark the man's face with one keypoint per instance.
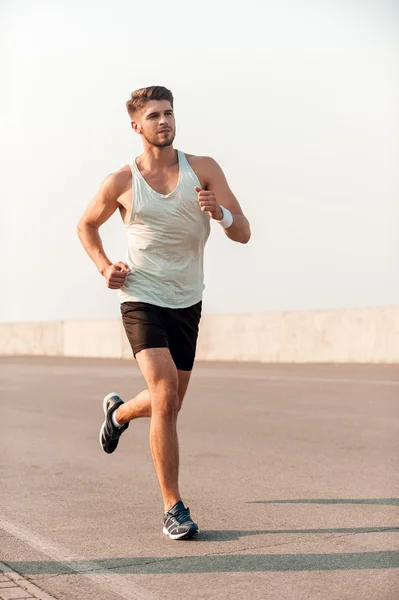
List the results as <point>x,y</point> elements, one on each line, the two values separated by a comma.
<point>156,123</point>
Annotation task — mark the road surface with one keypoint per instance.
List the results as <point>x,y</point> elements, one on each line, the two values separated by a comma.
<point>291,472</point>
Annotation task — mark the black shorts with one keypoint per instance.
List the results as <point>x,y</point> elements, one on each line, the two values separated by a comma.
<point>150,326</point>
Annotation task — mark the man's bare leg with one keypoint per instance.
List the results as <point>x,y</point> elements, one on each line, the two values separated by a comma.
<point>140,405</point>
<point>160,373</point>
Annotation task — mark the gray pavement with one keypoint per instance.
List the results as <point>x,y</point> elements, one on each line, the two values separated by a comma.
<point>291,472</point>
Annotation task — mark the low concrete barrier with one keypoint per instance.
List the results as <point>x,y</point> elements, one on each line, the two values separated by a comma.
<point>369,335</point>
<point>38,339</point>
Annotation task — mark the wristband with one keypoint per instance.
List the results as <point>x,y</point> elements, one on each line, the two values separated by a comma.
<point>227,220</point>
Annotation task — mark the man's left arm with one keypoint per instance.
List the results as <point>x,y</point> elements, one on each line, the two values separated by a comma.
<point>218,195</point>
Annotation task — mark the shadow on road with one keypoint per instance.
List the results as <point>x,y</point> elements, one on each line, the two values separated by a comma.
<point>231,534</point>
<point>225,563</point>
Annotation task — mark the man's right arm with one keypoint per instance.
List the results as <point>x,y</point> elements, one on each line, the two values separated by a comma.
<point>100,209</point>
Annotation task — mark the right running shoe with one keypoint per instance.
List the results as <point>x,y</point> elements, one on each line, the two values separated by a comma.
<point>109,433</point>
<point>178,524</point>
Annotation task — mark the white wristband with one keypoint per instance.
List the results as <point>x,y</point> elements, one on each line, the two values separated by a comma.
<point>227,220</point>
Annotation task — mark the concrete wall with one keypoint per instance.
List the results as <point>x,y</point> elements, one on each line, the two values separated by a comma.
<point>360,335</point>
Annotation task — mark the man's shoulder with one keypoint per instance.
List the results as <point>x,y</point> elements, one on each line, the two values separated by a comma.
<point>117,183</point>
<point>205,167</point>
<point>201,161</point>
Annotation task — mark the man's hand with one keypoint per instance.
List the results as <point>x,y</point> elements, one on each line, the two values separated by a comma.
<point>208,203</point>
<point>115,275</point>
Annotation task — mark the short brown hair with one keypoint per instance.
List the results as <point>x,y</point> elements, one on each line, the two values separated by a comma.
<point>139,98</point>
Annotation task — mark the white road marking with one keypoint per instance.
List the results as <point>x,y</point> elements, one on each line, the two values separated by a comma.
<point>116,583</point>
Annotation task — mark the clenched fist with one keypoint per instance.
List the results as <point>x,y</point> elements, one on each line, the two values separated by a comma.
<point>115,275</point>
<point>207,201</point>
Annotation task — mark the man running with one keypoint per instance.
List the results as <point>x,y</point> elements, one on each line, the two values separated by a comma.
<point>166,199</point>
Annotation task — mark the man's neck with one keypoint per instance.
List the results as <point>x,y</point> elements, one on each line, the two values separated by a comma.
<point>155,157</point>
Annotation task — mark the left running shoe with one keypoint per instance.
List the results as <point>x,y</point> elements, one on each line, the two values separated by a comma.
<point>178,524</point>
<point>109,434</point>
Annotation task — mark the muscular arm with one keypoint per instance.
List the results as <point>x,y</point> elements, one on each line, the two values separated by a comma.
<point>100,209</point>
<point>215,181</point>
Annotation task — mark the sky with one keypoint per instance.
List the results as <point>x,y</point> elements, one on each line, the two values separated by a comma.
<point>296,99</point>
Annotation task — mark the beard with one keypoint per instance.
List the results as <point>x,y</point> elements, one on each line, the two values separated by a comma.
<point>154,139</point>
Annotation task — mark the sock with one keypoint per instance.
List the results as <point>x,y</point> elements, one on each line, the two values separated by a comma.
<point>114,421</point>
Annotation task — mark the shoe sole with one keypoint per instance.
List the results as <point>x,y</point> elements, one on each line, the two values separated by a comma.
<point>111,395</point>
<point>180,536</point>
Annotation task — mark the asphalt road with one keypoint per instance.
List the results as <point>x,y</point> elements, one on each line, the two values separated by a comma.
<point>291,472</point>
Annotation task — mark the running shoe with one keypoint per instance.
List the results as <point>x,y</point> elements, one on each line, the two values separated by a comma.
<point>109,433</point>
<point>178,524</point>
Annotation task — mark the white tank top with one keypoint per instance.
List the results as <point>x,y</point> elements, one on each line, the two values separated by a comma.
<point>166,236</point>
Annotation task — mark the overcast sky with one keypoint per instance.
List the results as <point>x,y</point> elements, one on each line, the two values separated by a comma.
<point>296,99</point>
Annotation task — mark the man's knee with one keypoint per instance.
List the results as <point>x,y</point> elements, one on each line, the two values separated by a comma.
<point>165,401</point>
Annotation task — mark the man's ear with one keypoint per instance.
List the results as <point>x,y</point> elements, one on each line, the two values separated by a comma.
<point>136,126</point>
